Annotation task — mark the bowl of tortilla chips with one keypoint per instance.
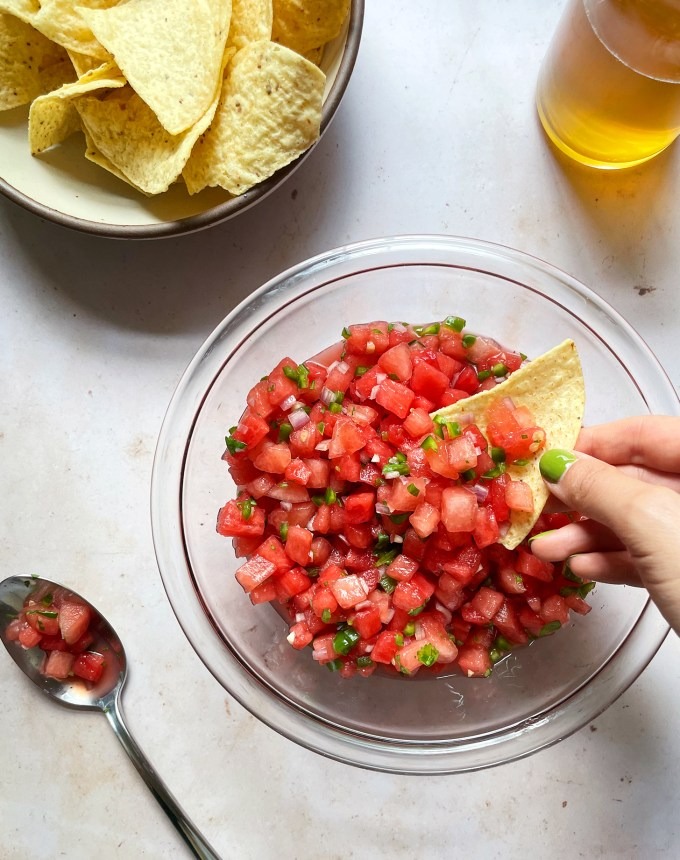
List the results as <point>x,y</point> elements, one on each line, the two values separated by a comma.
<point>582,364</point>
<point>151,118</point>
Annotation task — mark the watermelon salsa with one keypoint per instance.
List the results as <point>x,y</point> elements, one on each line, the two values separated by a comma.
<point>376,525</point>
<point>58,622</point>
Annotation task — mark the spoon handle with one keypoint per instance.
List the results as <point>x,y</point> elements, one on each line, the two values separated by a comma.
<point>200,847</point>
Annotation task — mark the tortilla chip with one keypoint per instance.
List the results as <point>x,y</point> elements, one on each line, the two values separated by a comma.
<point>126,132</point>
<point>170,52</point>
<point>84,63</point>
<point>303,25</point>
<point>269,114</point>
<point>552,388</point>
<point>25,10</point>
<point>29,63</point>
<point>53,117</point>
<point>62,22</point>
<point>251,21</point>
<point>94,155</point>
<point>315,55</point>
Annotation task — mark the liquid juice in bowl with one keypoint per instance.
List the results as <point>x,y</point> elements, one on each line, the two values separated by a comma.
<point>609,89</point>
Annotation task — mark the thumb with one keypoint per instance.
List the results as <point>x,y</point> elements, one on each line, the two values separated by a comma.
<point>643,516</point>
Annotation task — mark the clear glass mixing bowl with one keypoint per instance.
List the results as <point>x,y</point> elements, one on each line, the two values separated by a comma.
<point>537,695</point>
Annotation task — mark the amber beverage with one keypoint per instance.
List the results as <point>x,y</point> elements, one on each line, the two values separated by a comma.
<point>609,89</point>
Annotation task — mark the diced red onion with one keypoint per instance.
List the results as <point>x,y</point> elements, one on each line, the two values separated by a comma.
<point>300,616</point>
<point>508,401</point>
<point>289,402</point>
<point>370,346</point>
<point>391,475</point>
<point>298,418</point>
<point>480,491</point>
<point>365,604</point>
<point>397,539</point>
<point>382,509</point>
<point>327,396</point>
<point>323,446</point>
<point>387,616</point>
<point>375,458</point>
<point>342,366</point>
<point>368,648</point>
<point>466,418</point>
<point>504,528</point>
<point>444,611</point>
<point>287,506</point>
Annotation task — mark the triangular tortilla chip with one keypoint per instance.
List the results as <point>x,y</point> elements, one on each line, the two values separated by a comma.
<point>251,21</point>
<point>303,25</point>
<point>170,52</point>
<point>552,388</point>
<point>124,130</point>
<point>269,114</point>
<point>62,22</point>
<point>53,117</point>
<point>29,63</point>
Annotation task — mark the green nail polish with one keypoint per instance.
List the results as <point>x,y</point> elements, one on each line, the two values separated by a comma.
<point>554,463</point>
<point>568,573</point>
<point>542,534</point>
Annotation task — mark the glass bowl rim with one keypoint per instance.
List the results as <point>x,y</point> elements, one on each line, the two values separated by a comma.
<point>487,749</point>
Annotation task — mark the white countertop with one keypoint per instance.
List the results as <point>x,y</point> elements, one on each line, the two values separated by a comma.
<point>437,133</point>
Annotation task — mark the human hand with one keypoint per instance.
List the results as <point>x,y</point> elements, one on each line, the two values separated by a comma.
<point>625,477</point>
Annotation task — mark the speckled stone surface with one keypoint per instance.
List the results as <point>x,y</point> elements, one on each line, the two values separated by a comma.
<point>437,133</point>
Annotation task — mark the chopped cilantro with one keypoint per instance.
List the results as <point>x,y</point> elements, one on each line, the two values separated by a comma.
<point>455,323</point>
<point>285,429</point>
<point>425,330</point>
<point>386,557</point>
<point>396,465</point>
<point>429,443</point>
<point>398,519</point>
<point>387,583</point>
<point>549,628</point>
<point>234,445</point>
<point>246,507</point>
<point>427,655</point>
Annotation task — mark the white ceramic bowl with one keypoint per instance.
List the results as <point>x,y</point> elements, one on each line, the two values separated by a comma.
<point>63,186</point>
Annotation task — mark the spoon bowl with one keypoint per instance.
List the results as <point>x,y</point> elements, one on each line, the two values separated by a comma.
<point>104,695</point>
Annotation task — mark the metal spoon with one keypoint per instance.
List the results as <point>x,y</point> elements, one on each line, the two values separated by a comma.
<point>105,695</point>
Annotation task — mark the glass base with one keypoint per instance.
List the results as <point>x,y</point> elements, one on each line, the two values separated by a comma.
<point>588,160</point>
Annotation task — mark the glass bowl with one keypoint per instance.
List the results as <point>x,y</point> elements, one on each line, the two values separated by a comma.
<point>537,695</point>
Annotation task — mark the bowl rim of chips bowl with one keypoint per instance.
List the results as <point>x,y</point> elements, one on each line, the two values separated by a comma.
<point>596,663</point>
<point>347,45</point>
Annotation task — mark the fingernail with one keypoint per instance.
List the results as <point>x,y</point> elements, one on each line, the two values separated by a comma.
<point>542,534</point>
<point>568,573</point>
<point>554,463</point>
